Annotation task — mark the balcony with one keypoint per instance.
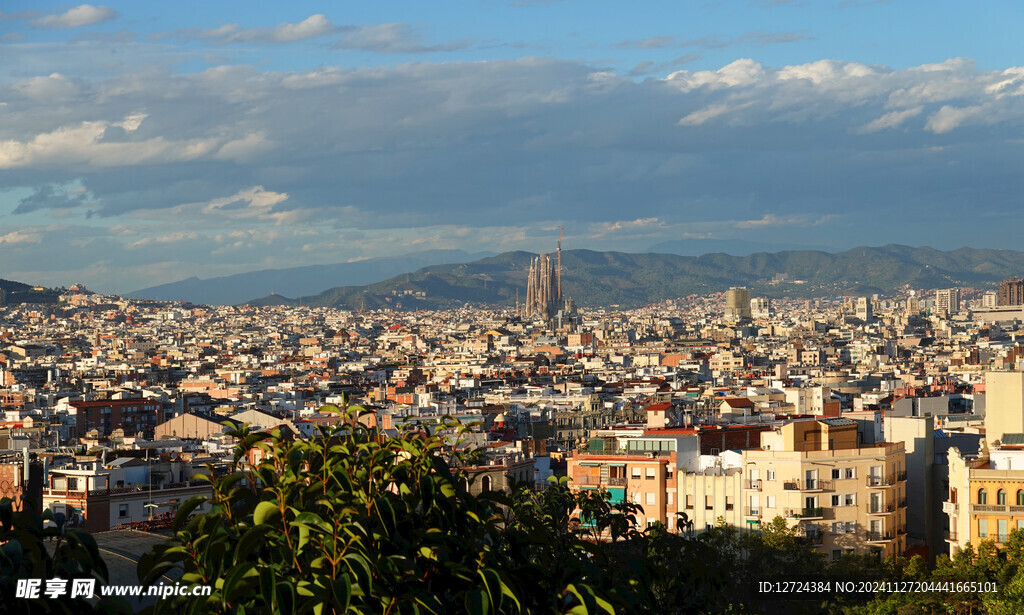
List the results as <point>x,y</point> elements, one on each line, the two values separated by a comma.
<point>813,538</point>
<point>617,481</point>
<point>1017,509</point>
<point>878,536</point>
<point>950,508</point>
<point>804,513</point>
<point>751,512</point>
<point>753,484</point>
<point>881,510</point>
<point>987,508</point>
<point>950,536</point>
<point>880,482</point>
<point>806,485</point>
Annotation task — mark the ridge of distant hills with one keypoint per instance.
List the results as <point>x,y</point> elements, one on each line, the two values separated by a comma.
<point>297,281</point>
<point>19,292</point>
<point>631,280</point>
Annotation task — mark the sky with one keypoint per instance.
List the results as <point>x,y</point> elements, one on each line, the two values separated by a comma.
<point>143,143</point>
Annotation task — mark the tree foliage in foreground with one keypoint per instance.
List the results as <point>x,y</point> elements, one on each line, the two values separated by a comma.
<point>355,522</point>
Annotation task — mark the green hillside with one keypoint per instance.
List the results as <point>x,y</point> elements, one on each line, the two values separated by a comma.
<point>629,280</point>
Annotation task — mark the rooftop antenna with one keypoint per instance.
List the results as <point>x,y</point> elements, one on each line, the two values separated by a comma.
<point>560,232</point>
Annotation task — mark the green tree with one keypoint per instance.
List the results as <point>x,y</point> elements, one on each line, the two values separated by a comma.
<point>354,521</point>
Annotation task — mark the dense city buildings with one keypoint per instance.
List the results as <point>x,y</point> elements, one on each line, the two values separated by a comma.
<point>881,425</point>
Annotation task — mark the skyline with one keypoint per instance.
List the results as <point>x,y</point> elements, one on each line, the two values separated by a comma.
<point>139,148</point>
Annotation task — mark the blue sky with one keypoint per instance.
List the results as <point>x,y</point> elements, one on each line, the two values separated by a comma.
<point>143,143</point>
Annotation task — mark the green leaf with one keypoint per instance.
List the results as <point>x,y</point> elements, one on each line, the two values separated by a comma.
<point>476,602</point>
<point>266,513</point>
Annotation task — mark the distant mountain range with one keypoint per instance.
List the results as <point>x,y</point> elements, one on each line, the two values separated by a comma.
<point>630,280</point>
<point>298,281</point>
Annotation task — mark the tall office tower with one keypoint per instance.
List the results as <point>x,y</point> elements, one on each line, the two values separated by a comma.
<point>947,301</point>
<point>989,299</point>
<point>541,289</point>
<point>864,309</point>
<point>761,307</point>
<point>737,303</point>
<point>1011,292</point>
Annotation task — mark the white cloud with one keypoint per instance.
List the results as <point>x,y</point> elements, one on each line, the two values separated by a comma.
<point>19,237</point>
<point>893,119</point>
<point>704,115</point>
<point>83,144</point>
<point>311,27</point>
<point>947,118</point>
<point>169,238</point>
<point>50,88</point>
<point>76,17</point>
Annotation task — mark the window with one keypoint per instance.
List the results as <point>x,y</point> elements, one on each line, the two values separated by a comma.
<point>650,473</point>
<point>982,496</point>
<point>836,499</point>
<point>1020,497</point>
<point>689,500</point>
<point>849,473</point>
<point>671,498</point>
<point>668,472</point>
<point>649,499</point>
<point>851,499</point>
<point>1001,497</point>
<point>709,502</point>
<point>982,528</point>
<point>635,472</point>
<point>770,474</point>
<point>1001,530</point>
<point>837,527</point>
<point>1020,524</point>
<point>769,501</point>
<point>835,475</point>
<point>636,497</point>
<point>837,554</point>
<point>122,510</point>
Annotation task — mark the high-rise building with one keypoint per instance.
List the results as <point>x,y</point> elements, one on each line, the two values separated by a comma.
<point>864,309</point>
<point>1011,292</point>
<point>761,307</point>
<point>989,299</point>
<point>947,301</point>
<point>737,303</point>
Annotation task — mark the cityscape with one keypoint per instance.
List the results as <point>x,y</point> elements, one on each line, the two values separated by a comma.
<point>510,307</point>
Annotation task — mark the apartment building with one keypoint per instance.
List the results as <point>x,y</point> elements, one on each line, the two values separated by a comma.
<point>843,496</point>
<point>986,494</point>
<point>641,470</point>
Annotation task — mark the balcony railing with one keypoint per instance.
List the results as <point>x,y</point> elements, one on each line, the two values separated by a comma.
<point>881,481</point>
<point>753,484</point>
<point>812,538</point>
<point>751,512</point>
<point>1017,509</point>
<point>950,536</point>
<point>996,508</point>
<point>879,536</point>
<point>804,513</point>
<point>617,481</point>
<point>881,510</point>
<point>814,484</point>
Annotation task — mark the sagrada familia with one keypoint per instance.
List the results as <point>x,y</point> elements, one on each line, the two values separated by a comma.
<point>544,286</point>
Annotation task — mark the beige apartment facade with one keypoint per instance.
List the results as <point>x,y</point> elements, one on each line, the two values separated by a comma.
<point>842,496</point>
<point>986,495</point>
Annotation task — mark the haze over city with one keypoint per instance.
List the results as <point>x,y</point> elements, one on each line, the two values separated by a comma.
<point>146,143</point>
